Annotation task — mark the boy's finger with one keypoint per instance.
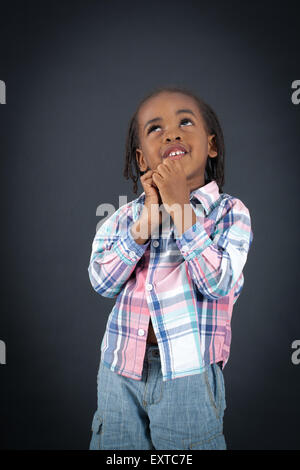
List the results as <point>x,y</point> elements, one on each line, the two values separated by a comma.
<point>147,174</point>
<point>148,179</point>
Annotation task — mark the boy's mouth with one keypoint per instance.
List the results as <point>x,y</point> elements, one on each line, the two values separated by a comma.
<point>177,157</point>
<point>175,151</point>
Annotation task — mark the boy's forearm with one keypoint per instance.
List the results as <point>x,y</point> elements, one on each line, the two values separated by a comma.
<point>140,231</point>
<point>184,218</point>
<point>145,226</point>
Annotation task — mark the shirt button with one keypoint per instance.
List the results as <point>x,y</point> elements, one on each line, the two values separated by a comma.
<point>149,286</point>
<point>132,253</point>
<point>141,332</point>
<point>155,243</point>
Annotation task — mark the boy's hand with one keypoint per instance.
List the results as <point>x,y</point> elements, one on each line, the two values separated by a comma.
<point>171,181</point>
<point>150,217</point>
<point>151,191</point>
<point>152,201</point>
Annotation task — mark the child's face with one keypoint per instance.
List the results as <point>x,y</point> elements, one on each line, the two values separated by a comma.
<point>184,128</point>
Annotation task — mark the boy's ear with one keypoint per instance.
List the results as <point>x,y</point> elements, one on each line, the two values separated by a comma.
<point>140,160</point>
<point>212,147</point>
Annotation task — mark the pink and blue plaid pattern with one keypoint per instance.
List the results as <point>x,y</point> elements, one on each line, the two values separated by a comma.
<point>188,284</point>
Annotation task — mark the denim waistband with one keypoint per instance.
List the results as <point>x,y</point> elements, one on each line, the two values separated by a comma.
<point>152,352</point>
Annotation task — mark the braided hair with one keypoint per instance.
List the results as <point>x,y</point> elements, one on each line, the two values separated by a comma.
<point>214,169</point>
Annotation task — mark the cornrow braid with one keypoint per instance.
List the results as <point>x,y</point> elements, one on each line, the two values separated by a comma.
<point>214,169</point>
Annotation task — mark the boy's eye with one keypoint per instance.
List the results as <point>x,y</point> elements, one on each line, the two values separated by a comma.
<point>155,126</point>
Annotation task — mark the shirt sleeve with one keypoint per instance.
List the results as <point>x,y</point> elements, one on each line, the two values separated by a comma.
<point>115,253</point>
<point>215,261</point>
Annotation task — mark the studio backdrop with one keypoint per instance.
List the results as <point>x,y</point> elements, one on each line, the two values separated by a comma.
<point>71,76</point>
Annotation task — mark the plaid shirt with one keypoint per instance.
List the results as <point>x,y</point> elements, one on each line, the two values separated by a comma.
<point>188,284</point>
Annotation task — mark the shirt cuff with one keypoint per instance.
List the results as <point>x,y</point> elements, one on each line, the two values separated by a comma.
<point>193,241</point>
<point>128,249</point>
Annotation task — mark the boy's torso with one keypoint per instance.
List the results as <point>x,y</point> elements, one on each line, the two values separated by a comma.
<point>151,338</point>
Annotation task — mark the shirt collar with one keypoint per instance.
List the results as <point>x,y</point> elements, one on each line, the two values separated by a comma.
<point>207,195</point>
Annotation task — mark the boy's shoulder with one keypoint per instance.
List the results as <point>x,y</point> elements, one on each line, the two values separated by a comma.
<point>232,203</point>
<point>129,209</point>
<point>133,204</point>
<point>119,218</point>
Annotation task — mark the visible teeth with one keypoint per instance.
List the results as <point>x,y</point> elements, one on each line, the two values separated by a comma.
<point>178,152</point>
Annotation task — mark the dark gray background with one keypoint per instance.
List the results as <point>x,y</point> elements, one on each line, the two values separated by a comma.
<point>75,72</point>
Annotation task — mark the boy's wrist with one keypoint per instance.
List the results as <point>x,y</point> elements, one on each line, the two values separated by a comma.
<point>144,227</point>
<point>150,218</point>
<point>140,231</point>
<point>184,218</point>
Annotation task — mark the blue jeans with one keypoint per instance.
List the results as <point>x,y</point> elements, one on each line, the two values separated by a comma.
<point>183,413</point>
